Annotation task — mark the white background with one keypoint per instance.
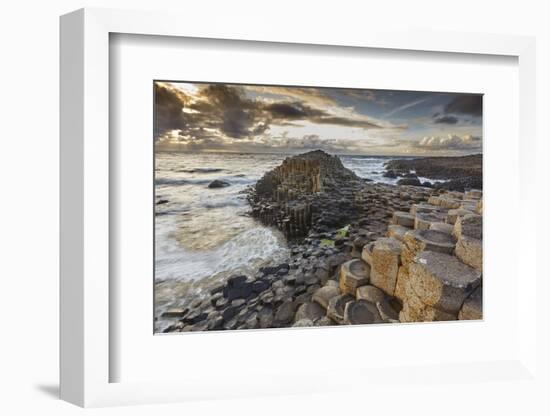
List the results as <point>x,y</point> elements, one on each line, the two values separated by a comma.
<point>29,115</point>
<point>136,60</point>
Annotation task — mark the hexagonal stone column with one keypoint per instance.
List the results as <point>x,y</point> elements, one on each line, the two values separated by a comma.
<point>472,309</point>
<point>414,310</point>
<point>405,219</point>
<point>361,312</point>
<point>416,241</point>
<point>397,231</point>
<point>442,281</point>
<point>434,200</point>
<point>423,221</point>
<point>453,214</point>
<point>442,227</point>
<point>479,207</point>
<point>370,293</point>
<point>353,273</point>
<point>470,225</point>
<point>366,254</point>
<point>449,203</point>
<point>470,251</point>
<point>423,207</point>
<point>473,194</point>
<point>337,307</point>
<point>311,311</point>
<point>386,259</point>
<point>324,294</point>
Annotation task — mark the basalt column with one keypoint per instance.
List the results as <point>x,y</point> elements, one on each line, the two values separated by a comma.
<point>305,190</point>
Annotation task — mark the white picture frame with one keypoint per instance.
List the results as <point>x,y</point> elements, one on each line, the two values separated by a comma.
<point>85,211</point>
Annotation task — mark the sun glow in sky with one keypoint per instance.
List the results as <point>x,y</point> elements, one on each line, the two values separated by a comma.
<point>201,117</point>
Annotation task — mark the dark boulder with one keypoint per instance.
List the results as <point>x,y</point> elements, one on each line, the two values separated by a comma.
<point>409,181</point>
<point>218,184</point>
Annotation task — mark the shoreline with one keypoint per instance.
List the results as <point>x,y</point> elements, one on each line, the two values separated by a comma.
<point>326,230</point>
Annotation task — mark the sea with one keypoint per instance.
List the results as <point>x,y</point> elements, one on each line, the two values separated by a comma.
<point>204,235</point>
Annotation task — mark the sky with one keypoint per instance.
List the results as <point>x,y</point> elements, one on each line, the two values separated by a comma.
<point>202,117</point>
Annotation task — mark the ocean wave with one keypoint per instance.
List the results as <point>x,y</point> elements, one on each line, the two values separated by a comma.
<point>222,204</point>
<point>200,170</point>
<point>171,181</point>
<point>243,254</point>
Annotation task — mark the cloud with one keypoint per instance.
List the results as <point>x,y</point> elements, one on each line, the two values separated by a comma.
<point>445,120</point>
<point>469,104</point>
<point>450,142</point>
<point>405,106</point>
<point>169,103</point>
<point>226,111</point>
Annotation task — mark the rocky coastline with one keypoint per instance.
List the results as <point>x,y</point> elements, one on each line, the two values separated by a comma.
<point>361,253</point>
<point>453,173</point>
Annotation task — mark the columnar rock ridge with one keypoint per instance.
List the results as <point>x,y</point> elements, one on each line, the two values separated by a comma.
<point>410,254</point>
<point>310,190</point>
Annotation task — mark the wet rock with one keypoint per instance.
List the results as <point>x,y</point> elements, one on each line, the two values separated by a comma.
<point>279,270</point>
<point>409,181</point>
<point>228,313</point>
<point>231,324</point>
<point>237,287</point>
<point>265,317</point>
<point>251,322</point>
<point>215,323</point>
<point>285,313</point>
<point>237,303</point>
<point>218,184</point>
<point>194,318</point>
<point>175,313</point>
<point>220,303</point>
<point>259,286</point>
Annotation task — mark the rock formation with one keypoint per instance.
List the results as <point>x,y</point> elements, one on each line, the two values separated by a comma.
<point>406,254</point>
<point>311,190</point>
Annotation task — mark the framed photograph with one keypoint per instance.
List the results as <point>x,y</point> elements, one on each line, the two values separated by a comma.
<point>245,216</point>
<point>285,206</point>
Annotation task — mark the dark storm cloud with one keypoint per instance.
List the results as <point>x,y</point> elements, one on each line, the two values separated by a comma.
<point>465,104</point>
<point>292,111</point>
<point>226,110</point>
<point>445,120</point>
<point>168,109</point>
